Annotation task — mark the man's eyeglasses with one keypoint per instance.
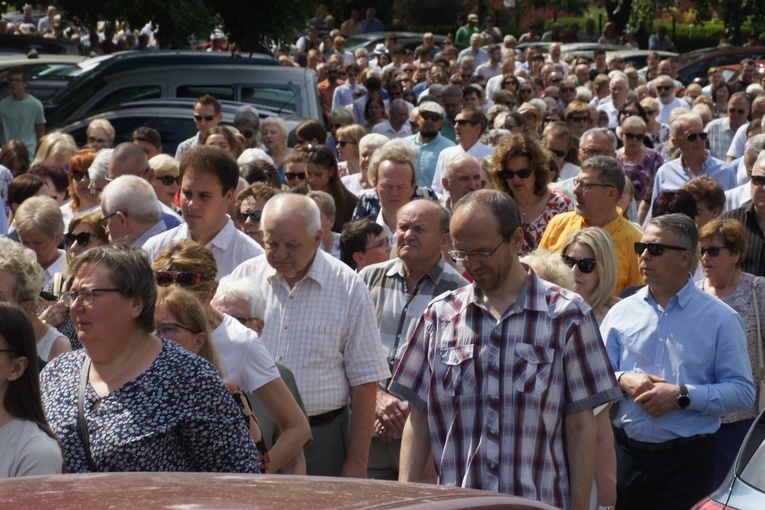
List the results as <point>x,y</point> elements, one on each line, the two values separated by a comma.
<point>586,186</point>
<point>560,154</point>
<point>168,180</point>
<point>567,89</point>
<point>461,256</point>
<point>691,137</point>
<point>383,246</point>
<point>466,76</point>
<point>713,251</point>
<point>635,136</point>
<point>586,266</point>
<point>656,249</point>
<point>758,180</point>
<point>170,329</point>
<point>433,117</point>
<point>663,87</point>
<point>591,153</point>
<point>507,175</point>
<point>78,176</point>
<point>247,133</point>
<point>85,295</point>
<point>206,118</point>
<point>577,118</point>
<point>462,122</point>
<point>629,113</point>
<point>253,215</point>
<point>343,143</point>
<point>294,175</point>
<point>183,278</point>
<point>105,220</point>
<point>556,80</point>
<point>740,111</point>
<point>83,238</point>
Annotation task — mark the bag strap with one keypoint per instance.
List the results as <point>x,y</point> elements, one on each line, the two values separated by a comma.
<point>755,281</point>
<point>83,425</point>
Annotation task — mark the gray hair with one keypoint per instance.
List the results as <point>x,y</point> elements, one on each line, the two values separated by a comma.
<point>244,289</point>
<point>755,146</point>
<point>296,204</point>
<point>252,155</point>
<point>341,115</point>
<point>683,226</point>
<point>635,120</point>
<point>457,160</point>
<point>40,213</point>
<point>247,115</point>
<point>325,202</point>
<point>22,262</point>
<point>102,124</point>
<point>280,125</point>
<point>609,170</point>
<point>674,127</point>
<point>583,94</point>
<point>375,140</point>
<point>397,150</point>
<point>598,131</point>
<point>100,165</point>
<point>132,196</point>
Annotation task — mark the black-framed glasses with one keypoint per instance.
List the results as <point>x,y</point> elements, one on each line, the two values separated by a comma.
<point>168,180</point>
<point>758,180</point>
<point>591,153</point>
<point>556,80</point>
<point>84,294</point>
<point>629,113</point>
<point>343,143</point>
<point>462,122</point>
<point>577,118</point>
<point>253,215</point>
<point>242,320</point>
<point>247,133</point>
<point>507,175</point>
<point>183,278</point>
<point>713,251</point>
<point>8,350</point>
<point>635,136</point>
<point>382,245</point>
<point>560,154</point>
<point>105,220</point>
<point>740,111</point>
<point>83,238</point>
<point>567,89</point>
<point>586,186</point>
<point>461,256</point>
<point>586,266</point>
<point>433,117</point>
<point>294,175</point>
<point>663,87</point>
<point>207,118</point>
<point>691,137</point>
<point>78,176</point>
<point>656,249</point>
<point>170,329</point>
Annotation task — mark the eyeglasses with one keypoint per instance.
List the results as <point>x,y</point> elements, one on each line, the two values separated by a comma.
<point>567,89</point>
<point>78,176</point>
<point>168,180</point>
<point>83,238</point>
<point>560,154</point>
<point>243,320</point>
<point>105,220</point>
<point>713,251</point>
<point>585,265</point>
<point>591,153</point>
<point>651,112</point>
<point>691,137</point>
<point>433,117</point>
<point>634,136</point>
<point>577,118</point>
<point>527,91</point>
<point>248,133</point>
<point>663,87</point>
<point>207,118</point>
<point>183,278</point>
<point>85,295</point>
<point>383,246</point>
<point>170,329</point>
<point>414,124</point>
<point>556,80</point>
<point>8,350</point>
<point>506,174</point>
<point>586,186</point>
<point>466,75</point>
<point>656,249</point>
<point>629,113</point>
<point>758,180</point>
<point>461,256</point>
<point>253,215</point>
<point>343,143</point>
<point>462,122</point>
<point>294,175</point>
<point>740,111</point>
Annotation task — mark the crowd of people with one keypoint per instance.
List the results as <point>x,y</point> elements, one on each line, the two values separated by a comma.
<point>535,275</point>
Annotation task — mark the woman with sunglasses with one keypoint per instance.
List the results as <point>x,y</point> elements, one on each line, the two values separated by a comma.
<point>521,168</point>
<point>131,400</point>
<point>249,208</point>
<point>85,232</point>
<point>167,179</point>
<point>348,138</point>
<point>245,359</point>
<point>82,200</point>
<point>525,92</point>
<point>639,162</point>
<point>323,175</point>
<point>723,242</point>
<point>27,445</point>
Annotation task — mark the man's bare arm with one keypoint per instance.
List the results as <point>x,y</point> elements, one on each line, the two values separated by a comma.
<point>415,447</point>
<point>581,442</point>
<point>363,399</point>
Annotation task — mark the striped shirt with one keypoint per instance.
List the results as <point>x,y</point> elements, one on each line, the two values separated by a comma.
<point>397,310</point>
<point>496,391</point>
<point>754,255</point>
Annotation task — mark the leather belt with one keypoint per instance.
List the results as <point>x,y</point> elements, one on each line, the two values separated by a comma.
<point>324,418</point>
<point>657,447</point>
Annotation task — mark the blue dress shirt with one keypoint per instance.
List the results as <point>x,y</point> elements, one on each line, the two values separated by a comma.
<point>673,174</point>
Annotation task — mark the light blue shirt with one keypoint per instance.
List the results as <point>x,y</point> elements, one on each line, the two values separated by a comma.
<point>698,341</point>
<point>427,156</point>
<point>673,175</point>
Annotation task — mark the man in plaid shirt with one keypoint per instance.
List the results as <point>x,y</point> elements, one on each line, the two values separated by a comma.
<point>502,375</point>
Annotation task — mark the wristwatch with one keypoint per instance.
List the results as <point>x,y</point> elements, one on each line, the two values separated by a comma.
<point>683,400</point>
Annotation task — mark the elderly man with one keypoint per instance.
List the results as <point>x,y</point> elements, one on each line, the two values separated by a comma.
<point>210,177</point>
<point>597,189</point>
<point>334,351</point>
<point>396,126</point>
<point>738,144</point>
<point>618,87</point>
<point>401,289</point>
<point>736,197</point>
<point>680,357</point>
<point>131,211</point>
<point>480,55</point>
<point>665,88</point>
<point>470,125</point>
<point>494,421</point>
<point>688,135</point>
<point>429,141</point>
<point>554,57</point>
<point>721,131</point>
<point>752,216</point>
<point>462,174</point>
<point>207,115</point>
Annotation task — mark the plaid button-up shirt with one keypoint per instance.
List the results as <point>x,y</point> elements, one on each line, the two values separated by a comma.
<point>496,391</point>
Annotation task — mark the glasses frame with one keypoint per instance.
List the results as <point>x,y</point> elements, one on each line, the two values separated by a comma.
<point>382,245</point>
<point>176,277</point>
<point>71,296</point>
<point>254,215</point>
<point>656,249</point>
<point>691,137</point>
<point>585,265</point>
<point>78,175</point>
<point>462,256</point>
<point>712,251</point>
<point>104,222</point>
<point>70,238</point>
<point>164,180</point>
<point>587,186</point>
<point>175,326</point>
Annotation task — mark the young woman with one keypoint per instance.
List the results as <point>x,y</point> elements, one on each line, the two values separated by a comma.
<point>323,175</point>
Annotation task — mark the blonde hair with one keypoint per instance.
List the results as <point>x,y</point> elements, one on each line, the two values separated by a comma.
<point>187,255</point>
<point>550,266</point>
<point>55,147</point>
<point>40,213</point>
<point>599,241</point>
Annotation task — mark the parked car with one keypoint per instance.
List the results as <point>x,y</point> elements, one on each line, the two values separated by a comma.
<point>173,118</point>
<point>23,44</point>
<point>409,40</point>
<point>695,64</point>
<point>284,90</point>
<point>637,58</point>
<point>151,491</point>
<point>744,488</point>
<point>42,70</point>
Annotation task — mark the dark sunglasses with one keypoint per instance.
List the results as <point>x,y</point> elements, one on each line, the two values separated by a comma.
<point>740,111</point>
<point>556,80</point>
<point>248,134</point>
<point>506,83</point>
<point>663,87</point>
<point>629,113</point>
<point>656,249</point>
<point>242,320</point>
<point>585,265</point>
<point>433,117</point>
<point>758,180</point>
<point>462,122</point>
<point>713,251</point>
<point>294,175</point>
<point>634,136</point>
<point>343,143</point>
<point>83,238</point>
<point>184,278</point>
<point>253,215</point>
<point>509,174</point>
<point>168,180</point>
<point>78,176</point>
<point>691,137</point>
<point>560,154</point>
<point>651,112</point>
<point>207,118</point>
<point>567,89</point>
<point>576,118</point>
<point>466,75</point>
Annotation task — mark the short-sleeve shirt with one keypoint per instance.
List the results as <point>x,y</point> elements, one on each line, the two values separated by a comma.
<point>20,118</point>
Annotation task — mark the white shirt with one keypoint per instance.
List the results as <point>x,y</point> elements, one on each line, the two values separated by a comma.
<point>385,128</point>
<point>738,145</point>
<point>736,197</point>
<point>613,114</point>
<point>323,329</point>
<point>666,109</point>
<point>568,171</point>
<point>230,247</point>
<point>56,267</point>
<point>247,362</point>
<point>478,150</point>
